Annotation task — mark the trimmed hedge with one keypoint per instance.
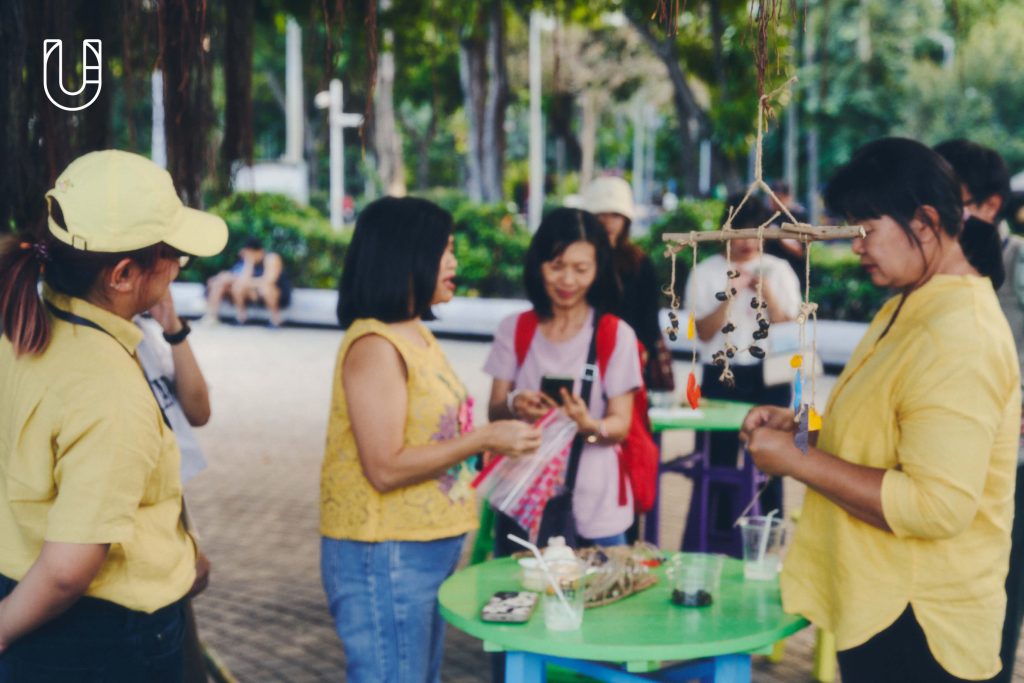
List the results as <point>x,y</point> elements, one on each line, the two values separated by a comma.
<point>491,243</point>
<point>313,252</point>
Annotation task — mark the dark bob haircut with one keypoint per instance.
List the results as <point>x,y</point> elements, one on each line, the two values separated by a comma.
<point>557,231</point>
<point>981,169</point>
<point>896,177</point>
<point>392,263</point>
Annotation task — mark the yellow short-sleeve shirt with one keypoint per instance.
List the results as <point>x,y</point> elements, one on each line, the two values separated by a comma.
<point>935,403</point>
<point>85,457</point>
<point>438,408</point>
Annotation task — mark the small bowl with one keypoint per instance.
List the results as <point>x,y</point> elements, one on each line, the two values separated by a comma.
<point>532,577</point>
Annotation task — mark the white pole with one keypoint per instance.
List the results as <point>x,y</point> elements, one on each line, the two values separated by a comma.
<point>293,93</point>
<point>158,146</point>
<point>536,192</point>
<point>704,181</point>
<point>651,133</point>
<point>337,196</point>
<point>639,147</point>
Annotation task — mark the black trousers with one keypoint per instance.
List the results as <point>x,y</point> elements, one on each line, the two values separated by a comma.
<point>1014,585</point>
<point>899,654</point>
<point>725,446</point>
<point>96,640</point>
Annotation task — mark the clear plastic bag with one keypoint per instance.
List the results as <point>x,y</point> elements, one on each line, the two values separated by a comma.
<point>521,487</point>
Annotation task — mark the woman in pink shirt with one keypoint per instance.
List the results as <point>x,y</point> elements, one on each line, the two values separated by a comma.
<point>570,282</point>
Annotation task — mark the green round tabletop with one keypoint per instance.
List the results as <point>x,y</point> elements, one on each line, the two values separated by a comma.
<point>711,415</point>
<point>745,616</point>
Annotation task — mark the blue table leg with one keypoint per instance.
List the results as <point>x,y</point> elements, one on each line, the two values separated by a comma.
<point>731,669</point>
<point>524,667</point>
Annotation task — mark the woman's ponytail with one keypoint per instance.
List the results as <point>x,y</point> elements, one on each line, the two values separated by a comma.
<point>23,319</point>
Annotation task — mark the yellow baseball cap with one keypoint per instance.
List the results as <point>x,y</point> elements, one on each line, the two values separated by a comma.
<point>115,201</point>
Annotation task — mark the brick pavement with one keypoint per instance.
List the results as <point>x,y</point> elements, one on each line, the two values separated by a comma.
<point>256,508</point>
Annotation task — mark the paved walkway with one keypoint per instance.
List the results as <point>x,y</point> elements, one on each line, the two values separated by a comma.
<point>256,508</point>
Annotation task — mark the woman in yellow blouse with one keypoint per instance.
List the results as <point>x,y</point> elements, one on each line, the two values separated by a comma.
<point>395,497</point>
<point>903,543</point>
<point>94,557</point>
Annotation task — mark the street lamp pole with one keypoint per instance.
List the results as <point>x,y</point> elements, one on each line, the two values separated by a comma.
<point>338,121</point>
<point>536,192</point>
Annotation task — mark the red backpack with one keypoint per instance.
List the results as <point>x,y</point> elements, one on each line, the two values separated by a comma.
<point>638,454</point>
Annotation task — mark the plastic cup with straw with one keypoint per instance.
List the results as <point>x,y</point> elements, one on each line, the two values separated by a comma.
<point>757,532</point>
<point>570,611</point>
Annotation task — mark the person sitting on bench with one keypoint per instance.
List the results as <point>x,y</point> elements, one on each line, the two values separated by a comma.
<point>257,277</point>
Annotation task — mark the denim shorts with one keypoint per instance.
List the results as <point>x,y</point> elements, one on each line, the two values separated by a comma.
<point>97,640</point>
<point>383,598</point>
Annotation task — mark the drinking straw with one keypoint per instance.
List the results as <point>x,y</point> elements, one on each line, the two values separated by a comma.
<point>750,505</point>
<point>762,547</point>
<point>547,572</point>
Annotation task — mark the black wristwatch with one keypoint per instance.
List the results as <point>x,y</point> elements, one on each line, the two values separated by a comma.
<point>179,336</point>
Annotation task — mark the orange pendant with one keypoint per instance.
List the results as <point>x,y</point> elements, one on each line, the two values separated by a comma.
<point>692,391</point>
<point>813,421</point>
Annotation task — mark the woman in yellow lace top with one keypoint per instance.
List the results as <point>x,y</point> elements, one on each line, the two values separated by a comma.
<point>395,497</point>
<point>903,544</point>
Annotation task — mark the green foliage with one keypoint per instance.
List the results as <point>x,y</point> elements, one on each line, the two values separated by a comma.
<point>982,99</point>
<point>689,216</point>
<point>313,253</point>
<point>490,245</point>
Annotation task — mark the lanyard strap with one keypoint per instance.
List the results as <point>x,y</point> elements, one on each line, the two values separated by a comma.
<point>69,317</point>
<point>589,375</point>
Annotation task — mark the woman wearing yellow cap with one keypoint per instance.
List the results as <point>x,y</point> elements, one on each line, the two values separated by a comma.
<point>94,557</point>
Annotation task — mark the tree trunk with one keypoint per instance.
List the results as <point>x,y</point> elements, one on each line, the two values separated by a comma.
<point>690,117</point>
<point>186,94</point>
<point>493,139</point>
<point>387,142</point>
<point>237,144</point>
<point>472,75</point>
<point>13,125</point>
<point>588,138</point>
<point>98,21</point>
<point>39,139</point>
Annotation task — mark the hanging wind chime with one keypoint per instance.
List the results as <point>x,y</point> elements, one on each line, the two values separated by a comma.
<point>804,403</point>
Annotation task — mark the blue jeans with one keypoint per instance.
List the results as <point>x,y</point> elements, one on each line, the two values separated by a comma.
<point>97,640</point>
<point>608,541</point>
<point>383,598</point>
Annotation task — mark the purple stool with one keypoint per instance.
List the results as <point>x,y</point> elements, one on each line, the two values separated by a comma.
<point>709,482</point>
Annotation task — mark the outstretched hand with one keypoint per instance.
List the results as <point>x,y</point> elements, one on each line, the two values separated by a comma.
<point>531,405</point>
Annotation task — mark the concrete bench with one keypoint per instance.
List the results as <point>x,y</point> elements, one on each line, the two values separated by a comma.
<point>474,318</point>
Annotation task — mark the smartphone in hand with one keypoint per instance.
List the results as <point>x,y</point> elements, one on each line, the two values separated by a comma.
<point>551,385</point>
<point>509,607</point>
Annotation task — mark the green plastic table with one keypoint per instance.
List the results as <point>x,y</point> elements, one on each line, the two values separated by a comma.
<point>631,636</point>
<point>713,415</point>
